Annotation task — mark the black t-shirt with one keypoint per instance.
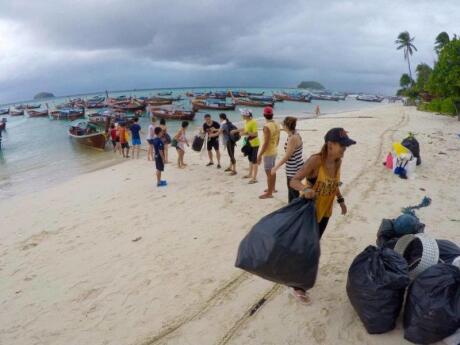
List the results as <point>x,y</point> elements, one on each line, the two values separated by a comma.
<point>208,129</point>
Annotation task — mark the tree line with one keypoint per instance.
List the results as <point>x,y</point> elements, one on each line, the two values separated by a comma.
<point>437,87</point>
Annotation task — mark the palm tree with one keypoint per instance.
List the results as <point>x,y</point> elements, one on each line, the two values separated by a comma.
<point>441,40</point>
<point>404,41</point>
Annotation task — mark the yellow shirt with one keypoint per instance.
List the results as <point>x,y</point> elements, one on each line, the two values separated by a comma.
<point>326,188</point>
<point>272,148</point>
<point>251,127</point>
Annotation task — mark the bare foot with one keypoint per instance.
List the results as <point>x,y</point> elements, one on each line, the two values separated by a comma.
<point>301,296</point>
<point>266,196</point>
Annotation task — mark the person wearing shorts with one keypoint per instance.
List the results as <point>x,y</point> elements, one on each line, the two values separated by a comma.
<point>212,129</point>
<point>158,146</point>
<point>114,137</point>
<point>122,134</point>
<point>136,138</point>
<point>269,151</point>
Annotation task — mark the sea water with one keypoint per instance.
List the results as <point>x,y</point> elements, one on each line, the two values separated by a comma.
<point>37,152</point>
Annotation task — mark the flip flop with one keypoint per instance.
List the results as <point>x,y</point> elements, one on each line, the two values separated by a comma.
<point>303,299</point>
<point>233,173</point>
<point>247,176</point>
<point>227,170</point>
<point>265,196</point>
<point>209,164</point>
<point>252,181</point>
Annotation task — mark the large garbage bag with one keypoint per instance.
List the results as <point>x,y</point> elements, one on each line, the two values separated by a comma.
<point>448,251</point>
<point>432,310</point>
<point>198,142</point>
<point>391,229</point>
<point>412,144</point>
<point>284,246</point>
<point>377,280</point>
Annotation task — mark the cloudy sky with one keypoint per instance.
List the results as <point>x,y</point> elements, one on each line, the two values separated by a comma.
<point>77,46</point>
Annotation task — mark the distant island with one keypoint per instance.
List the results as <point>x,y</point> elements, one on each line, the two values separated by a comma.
<point>43,95</point>
<point>311,85</point>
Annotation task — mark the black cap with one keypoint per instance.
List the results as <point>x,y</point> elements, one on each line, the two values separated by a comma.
<point>339,135</point>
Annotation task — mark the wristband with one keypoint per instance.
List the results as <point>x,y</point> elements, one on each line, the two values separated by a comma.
<point>340,200</point>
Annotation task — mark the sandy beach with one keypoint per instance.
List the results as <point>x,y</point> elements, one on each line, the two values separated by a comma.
<point>108,258</point>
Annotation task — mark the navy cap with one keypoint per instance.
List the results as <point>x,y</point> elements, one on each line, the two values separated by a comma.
<point>339,135</point>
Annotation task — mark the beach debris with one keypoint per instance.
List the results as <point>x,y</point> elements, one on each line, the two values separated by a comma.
<point>432,310</point>
<point>442,153</point>
<point>423,189</point>
<point>377,280</point>
<point>284,246</point>
<point>137,239</point>
<point>426,201</point>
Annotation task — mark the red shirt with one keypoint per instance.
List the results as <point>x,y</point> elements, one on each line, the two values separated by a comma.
<point>113,134</point>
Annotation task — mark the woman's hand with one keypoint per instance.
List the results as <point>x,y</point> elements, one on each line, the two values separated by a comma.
<point>309,193</point>
<point>344,208</point>
<point>273,172</point>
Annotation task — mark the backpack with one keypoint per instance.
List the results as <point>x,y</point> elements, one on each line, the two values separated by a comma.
<point>233,137</point>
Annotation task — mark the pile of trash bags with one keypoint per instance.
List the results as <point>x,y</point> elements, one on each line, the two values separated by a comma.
<point>380,279</point>
<point>283,246</point>
<point>404,157</point>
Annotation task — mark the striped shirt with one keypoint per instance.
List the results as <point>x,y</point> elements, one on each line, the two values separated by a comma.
<point>295,162</point>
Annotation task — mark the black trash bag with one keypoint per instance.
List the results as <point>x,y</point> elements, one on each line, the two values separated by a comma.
<point>448,251</point>
<point>198,142</point>
<point>377,280</point>
<point>432,310</point>
<point>412,144</point>
<point>388,232</point>
<point>284,246</point>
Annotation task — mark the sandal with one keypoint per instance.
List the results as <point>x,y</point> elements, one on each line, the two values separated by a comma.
<point>266,196</point>
<point>252,181</point>
<point>247,176</point>
<point>228,169</point>
<point>233,173</point>
<point>209,164</point>
<point>301,298</point>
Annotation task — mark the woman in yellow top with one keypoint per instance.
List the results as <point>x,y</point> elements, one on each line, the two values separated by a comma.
<point>322,172</point>
<point>269,151</point>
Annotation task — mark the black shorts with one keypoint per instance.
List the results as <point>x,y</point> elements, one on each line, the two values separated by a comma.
<point>125,146</point>
<point>114,143</point>
<point>213,144</point>
<point>159,163</point>
<point>252,156</point>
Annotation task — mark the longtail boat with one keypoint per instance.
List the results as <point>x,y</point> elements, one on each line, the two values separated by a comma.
<point>252,103</point>
<point>293,97</point>
<point>206,104</point>
<point>198,95</point>
<point>131,106</point>
<point>67,114</point>
<point>157,102</point>
<point>35,113</point>
<point>4,111</point>
<point>33,106</point>
<point>16,112</point>
<point>173,114</point>
<point>164,93</point>
<point>85,133</point>
<point>255,93</point>
<point>217,95</point>
<point>369,98</point>
<point>261,98</point>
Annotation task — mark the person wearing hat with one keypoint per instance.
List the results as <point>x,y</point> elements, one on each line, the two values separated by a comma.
<point>252,145</point>
<point>322,173</point>
<point>269,151</point>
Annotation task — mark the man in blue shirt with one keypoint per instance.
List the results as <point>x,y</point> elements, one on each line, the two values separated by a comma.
<point>136,138</point>
<point>158,146</point>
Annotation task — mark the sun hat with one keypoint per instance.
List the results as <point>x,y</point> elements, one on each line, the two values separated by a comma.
<point>245,112</point>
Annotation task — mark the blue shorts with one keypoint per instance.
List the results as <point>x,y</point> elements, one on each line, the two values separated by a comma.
<point>159,163</point>
<point>136,141</point>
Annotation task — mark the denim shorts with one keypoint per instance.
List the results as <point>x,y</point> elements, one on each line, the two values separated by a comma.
<point>269,162</point>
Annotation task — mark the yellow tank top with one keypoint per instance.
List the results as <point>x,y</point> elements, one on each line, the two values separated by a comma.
<point>272,148</point>
<point>326,190</point>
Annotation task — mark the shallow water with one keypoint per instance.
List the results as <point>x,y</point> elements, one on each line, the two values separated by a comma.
<point>37,152</point>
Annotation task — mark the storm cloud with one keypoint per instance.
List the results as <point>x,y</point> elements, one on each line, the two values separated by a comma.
<point>82,46</point>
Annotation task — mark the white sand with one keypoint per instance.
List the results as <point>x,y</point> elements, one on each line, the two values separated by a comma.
<point>71,273</point>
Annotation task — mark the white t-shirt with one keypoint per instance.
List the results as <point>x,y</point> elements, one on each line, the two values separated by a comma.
<point>151,132</point>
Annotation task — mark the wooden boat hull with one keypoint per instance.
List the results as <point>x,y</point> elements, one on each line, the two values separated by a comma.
<point>201,105</point>
<point>4,111</point>
<point>250,103</point>
<point>95,105</point>
<point>36,106</point>
<point>17,113</point>
<point>129,107</point>
<point>96,140</point>
<point>159,101</point>
<point>56,115</point>
<point>33,113</point>
<point>164,93</point>
<point>174,115</point>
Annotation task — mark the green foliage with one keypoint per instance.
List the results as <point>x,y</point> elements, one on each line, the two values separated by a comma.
<point>423,75</point>
<point>441,40</point>
<point>443,106</point>
<point>311,85</point>
<point>445,79</point>
<point>404,41</point>
<point>405,80</point>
